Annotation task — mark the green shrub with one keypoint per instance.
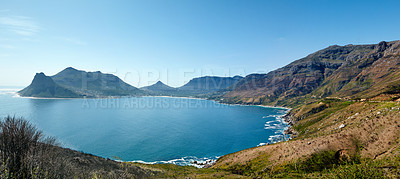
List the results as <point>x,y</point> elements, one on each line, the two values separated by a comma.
<point>24,151</point>
<point>324,160</point>
<point>319,161</point>
<point>18,141</point>
<point>364,170</point>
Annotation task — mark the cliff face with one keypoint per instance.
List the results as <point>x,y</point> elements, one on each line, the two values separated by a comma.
<point>44,86</point>
<point>374,74</point>
<point>350,71</point>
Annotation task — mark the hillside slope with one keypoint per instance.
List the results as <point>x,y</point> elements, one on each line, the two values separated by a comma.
<point>350,71</point>
<point>345,115</point>
<point>73,164</point>
<point>368,132</point>
<point>208,84</point>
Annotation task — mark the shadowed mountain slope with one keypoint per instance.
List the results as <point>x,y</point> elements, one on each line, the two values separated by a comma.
<point>94,84</point>
<point>44,86</point>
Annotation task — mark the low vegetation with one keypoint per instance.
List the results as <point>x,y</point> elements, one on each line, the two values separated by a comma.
<point>337,139</point>
<point>321,164</point>
<point>175,171</point>
<point>24,150</point>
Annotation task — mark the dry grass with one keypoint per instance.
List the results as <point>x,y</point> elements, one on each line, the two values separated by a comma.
<point>372,129</point>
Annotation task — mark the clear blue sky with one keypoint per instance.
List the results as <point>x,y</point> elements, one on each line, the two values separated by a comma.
<point>175,40</point>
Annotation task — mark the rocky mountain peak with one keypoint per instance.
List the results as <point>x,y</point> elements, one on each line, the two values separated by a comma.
<point>71,68</point>
<point>381,46</point>
<point>159,83</point>
<point>41,79</point>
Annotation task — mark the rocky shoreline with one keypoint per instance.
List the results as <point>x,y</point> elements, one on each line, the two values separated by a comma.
<point>288,118</point>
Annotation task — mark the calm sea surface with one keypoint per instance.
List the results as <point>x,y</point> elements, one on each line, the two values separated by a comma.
<point>149,129</point>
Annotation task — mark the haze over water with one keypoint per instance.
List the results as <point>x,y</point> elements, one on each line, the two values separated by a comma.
<point>148,128</point>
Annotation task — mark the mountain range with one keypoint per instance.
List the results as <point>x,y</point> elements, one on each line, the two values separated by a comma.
<point>344,115</point>
<point>197,86</point>
<point>73,83</point>
<point>351,71</point>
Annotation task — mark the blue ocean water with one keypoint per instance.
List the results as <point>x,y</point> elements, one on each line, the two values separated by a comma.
<point>149,129</point>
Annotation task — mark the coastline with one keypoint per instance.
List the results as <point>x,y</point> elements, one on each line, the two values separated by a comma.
<point>277,107</point>
<point>183,97</point>
<point>106,97</point>
<point>177,97</point>
<point>286,119</point>
<point>203,162</point>
<point>258,105</point>
<point>16,95</point>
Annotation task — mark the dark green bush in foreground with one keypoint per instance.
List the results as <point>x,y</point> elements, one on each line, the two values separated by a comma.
<point>324,160</point>
<point>328,162</point>
<point>24,151</point>
<point>319,161</point>
<point>363,170</point>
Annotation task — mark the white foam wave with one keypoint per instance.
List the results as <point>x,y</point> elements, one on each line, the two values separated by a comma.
<point>274,116</point>
<point>273,136</point>
<point>185,161</point>
<point>278,126</point>
<point>278,138</point>
<point>8,91</point>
